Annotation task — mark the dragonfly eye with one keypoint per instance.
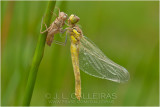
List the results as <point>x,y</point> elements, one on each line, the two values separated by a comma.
<point>73,19</point>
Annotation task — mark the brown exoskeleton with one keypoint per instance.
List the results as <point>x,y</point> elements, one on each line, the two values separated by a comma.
<point>55,27</point>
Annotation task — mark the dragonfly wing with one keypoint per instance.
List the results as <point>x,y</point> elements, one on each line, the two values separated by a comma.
<point>94,62</point>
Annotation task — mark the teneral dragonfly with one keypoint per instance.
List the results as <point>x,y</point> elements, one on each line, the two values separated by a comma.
<point>90,59</point>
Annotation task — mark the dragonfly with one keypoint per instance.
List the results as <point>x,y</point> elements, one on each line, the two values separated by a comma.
<point>90,59</point>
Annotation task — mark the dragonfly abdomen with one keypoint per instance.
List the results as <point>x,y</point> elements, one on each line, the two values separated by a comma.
<point>75,62</point>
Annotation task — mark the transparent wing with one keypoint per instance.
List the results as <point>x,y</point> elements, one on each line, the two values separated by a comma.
<point>93,62</point>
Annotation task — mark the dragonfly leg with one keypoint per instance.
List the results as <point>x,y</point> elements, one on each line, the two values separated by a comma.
<point>62,31</point>
<point>61,43</point>
<point>66,40</point>
<point>41,27</point>
<point>66,24</point>
<point>54,14</point>
<point>58,9</point>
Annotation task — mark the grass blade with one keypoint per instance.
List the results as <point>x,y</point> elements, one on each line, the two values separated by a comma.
<point>37,56</point>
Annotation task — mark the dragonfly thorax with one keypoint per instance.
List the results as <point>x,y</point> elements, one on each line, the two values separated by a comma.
<point>76,35</point>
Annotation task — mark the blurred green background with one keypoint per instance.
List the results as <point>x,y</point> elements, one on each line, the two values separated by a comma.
<point>127,32</point>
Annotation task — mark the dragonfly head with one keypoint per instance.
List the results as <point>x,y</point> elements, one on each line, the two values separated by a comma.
<point>73,19</point>
<point>63,15</point>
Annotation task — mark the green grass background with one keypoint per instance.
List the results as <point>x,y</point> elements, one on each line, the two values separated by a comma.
<point>127,32</point>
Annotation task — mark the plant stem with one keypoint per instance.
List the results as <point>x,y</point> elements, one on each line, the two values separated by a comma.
<point>38,56</point>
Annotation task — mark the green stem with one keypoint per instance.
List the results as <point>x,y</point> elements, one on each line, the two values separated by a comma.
<point>38,56</point>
